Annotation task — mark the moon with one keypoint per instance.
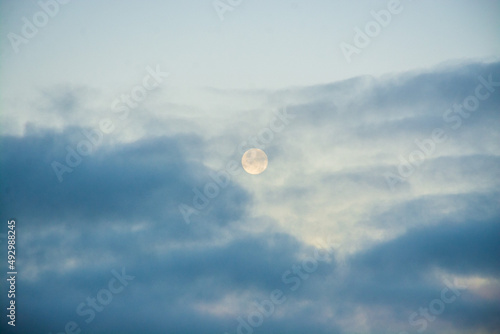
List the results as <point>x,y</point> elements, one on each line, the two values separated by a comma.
<point>254,161</point>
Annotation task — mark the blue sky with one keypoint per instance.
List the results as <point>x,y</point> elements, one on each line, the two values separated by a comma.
<point>122,128</point>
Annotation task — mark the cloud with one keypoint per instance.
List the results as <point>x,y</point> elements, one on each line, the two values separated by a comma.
<point>392,252</point>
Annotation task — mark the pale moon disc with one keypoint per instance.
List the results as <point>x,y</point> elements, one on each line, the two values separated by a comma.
<point>254,161</point>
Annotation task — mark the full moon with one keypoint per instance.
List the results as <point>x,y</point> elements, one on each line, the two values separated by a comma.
<point>254,161</point>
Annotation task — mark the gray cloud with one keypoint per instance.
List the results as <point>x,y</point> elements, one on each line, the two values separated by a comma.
<point>119,208</point>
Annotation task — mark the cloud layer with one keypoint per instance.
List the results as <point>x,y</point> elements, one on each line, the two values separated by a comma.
<point>392,249</point>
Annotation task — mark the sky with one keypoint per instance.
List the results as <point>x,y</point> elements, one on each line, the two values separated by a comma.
<point>122,129</point>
